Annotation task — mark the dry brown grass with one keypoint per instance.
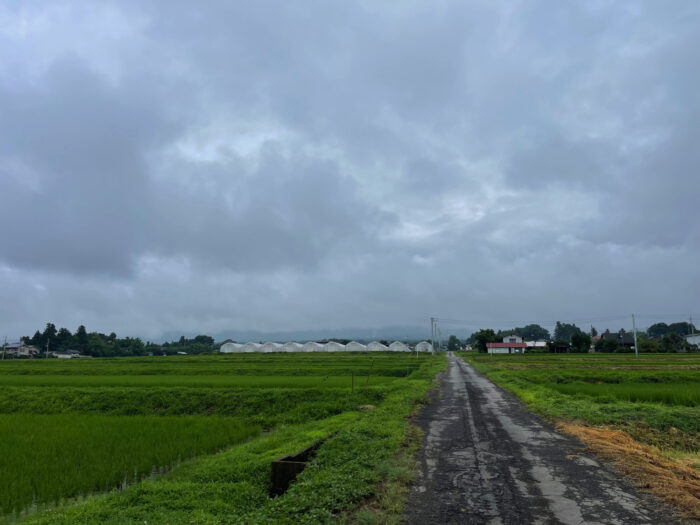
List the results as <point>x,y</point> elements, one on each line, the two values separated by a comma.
<point>677,484</point>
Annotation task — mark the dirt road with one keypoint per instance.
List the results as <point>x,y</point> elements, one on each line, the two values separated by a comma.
<point>487,459</point>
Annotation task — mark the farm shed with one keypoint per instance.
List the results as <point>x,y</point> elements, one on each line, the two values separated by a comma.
<point>536,344</point>
<point>398,346</point>
<point>229,347</point>
<point>424,346</point>
<point>269,347</point>
<point>375,346</point>
<point>332,346</point>
<point>312,346</point>
<point>250,347</point>
<point>354,346</point>
<point>291,347</point>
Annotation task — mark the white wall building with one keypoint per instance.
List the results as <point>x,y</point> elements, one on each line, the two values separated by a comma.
<point>693,339</point>
<point>512,344</point>
<point>536,344</point>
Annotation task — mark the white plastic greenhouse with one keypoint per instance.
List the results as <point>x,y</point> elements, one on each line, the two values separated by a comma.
<point>268,348</point>
<point>312,347</point>
<point>332,346</point>
<point>398,346</point>
<point>250,347</point>
<point>424,346</point>
<point>230,348</point>
<point>375,346</point>
<point>291,347</point>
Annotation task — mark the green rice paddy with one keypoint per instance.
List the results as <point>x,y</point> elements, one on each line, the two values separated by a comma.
<point>48,458</point>
<point>132,438</point>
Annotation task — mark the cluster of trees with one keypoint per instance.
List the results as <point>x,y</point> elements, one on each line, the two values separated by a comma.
<point>102,345</point>
<point>197,345</point>
<point>659,337</point>
<point>531,332</point>
<point>670,342</point>
<point>479,339</point>
<point>659,330</point>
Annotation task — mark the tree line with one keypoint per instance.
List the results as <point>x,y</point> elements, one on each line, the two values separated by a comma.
<point>659,337</point>
<point>97,344</point>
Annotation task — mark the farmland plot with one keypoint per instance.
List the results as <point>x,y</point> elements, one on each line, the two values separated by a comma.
<point>90,426</point>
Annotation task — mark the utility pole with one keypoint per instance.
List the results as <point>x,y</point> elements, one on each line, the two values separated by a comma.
<point>48,342</point>
<point>432,333</point>
<point>3,348</point>
<point>634,328</point>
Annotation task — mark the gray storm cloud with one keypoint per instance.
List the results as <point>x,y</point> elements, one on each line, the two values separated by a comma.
<point>301,166</point>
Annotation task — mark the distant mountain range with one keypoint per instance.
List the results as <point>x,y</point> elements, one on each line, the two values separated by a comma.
<point>400,333</point>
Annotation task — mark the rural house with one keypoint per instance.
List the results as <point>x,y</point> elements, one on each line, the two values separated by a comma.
<point>21,350</point>
<point>512,344</point>
<point>622,338</point>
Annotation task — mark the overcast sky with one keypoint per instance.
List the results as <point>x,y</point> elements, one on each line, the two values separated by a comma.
<point>169,167</point>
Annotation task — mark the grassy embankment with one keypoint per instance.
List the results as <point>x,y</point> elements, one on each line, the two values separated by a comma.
<point>230,486</point>
<point>607,398</point>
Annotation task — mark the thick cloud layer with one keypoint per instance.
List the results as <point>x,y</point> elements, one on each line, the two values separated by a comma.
<point>285,166</point>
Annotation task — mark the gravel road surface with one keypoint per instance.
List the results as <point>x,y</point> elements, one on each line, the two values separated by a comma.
<point>487,459</point>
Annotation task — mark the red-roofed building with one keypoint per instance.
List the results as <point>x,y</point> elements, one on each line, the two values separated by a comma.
<point>511,344</point>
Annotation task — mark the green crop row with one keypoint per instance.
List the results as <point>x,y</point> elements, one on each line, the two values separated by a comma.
<point>47,458</point>
<point>267,407</point>
<point>195,381</point>
<point>394,364</point>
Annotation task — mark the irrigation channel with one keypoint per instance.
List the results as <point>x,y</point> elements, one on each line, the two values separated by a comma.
<point>487,459</point>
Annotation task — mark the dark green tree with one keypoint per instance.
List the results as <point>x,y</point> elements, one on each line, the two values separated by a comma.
<point>606,345</point>
<point>580,342</point>
<point>49,335</point>
<point>80,339</point>
<point>658,330</point>
<point>532,332</point>
<point>452,344</point>
<point>648,346</point>
<point>564,331</point>
<point>672,342</point>
<point>594,332</point>
<point>37,340</point>
<point>208,340</point>
<point>64,339</point>
<point>482,337</point>
<point>682,329</point>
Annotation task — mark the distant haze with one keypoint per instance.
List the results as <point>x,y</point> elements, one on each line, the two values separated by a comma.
<point>237,168</point>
